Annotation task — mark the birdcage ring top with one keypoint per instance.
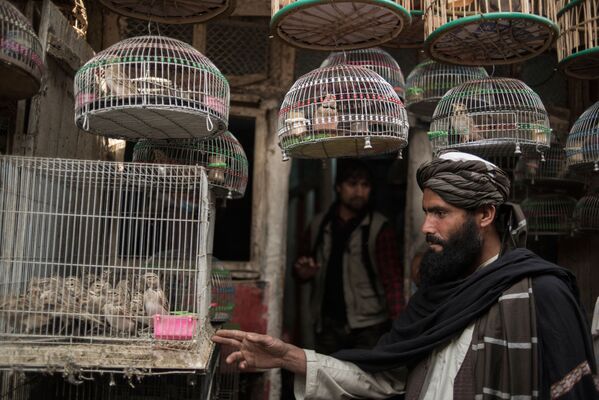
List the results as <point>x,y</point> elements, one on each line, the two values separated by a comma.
<point>477,32</point>
<point>582,145</point>
<point>21,55</point>
<point>337,25</point>
<point>172,11</point>
<point>151,87</point>
<point>341,111</point>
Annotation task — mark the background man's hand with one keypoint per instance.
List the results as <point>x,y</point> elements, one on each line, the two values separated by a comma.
<point>255,351</point>
<point>306,268</point>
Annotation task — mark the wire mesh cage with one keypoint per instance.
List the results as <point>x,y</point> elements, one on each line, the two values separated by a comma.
<point>586,213</point>
<point>582,146</point>
<point>76,13</point>
<point>171,11</point>
<point>341,111</point>
<point>493,116</point>
<point>222,156</point>
<point>338,25</point>
<point>151,87</point>
<point>430,80</point>
<point>223,295</point>
<point>578,43</point>
<point>375,59</point>
<point>21,55</point>
<point>488,32</point>
<point>103,264</point>
<point>552,165</point>
<point>227,377</point>
<point>548,214</point>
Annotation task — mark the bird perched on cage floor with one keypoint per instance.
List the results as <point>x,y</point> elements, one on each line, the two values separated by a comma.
<point>137,308</point>
<point>325,116</point>
<point>114,81</point>
<point>154,298</point>
<point>96,297</point>
<point>463,125</point>
<point>116,317</point>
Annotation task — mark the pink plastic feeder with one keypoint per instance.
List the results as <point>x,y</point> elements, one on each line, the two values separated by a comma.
<point>174,327</point>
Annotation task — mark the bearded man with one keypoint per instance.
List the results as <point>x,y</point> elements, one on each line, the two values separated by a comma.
<point>486,323</point>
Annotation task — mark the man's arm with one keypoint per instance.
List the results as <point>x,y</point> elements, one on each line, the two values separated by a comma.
<point>390,271</point>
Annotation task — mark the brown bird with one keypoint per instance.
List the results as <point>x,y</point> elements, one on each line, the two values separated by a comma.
<point>117,319</point>
<point>325,116</point>
<point>154,298</point>
<point>114,81</point>
<point>463,125</point>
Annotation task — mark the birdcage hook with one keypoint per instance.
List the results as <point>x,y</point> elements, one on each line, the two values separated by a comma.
<point>209,124</point>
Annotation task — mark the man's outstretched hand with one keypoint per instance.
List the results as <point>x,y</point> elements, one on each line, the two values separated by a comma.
<point>255,351</point>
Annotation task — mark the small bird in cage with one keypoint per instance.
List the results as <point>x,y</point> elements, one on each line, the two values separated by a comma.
<point>217,165</point>
<point>462,125</point>
<point>113,81</point>
<point>296,124</point>
<point>51,289</point>
<point>72,286</point>
<point>458,4</point>
<point>123,288</point>
<point>115,297</point>
<point>137,309</point>
<point>96,297</point>
<point>324,119</point>
<point>154,298</point>
<point>117,318</point>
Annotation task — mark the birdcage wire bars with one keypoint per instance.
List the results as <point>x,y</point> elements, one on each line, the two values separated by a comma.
<point>151,87</point>
<point>103,264</point>
<point>375,59</point>
<point>586,213</point>
<point>227,378</point>
<point>338,25</point>
<point>582,145</point>
<point>223,295</point>
<point>430,80</point>
<point>493,116</point>
<point>578,43</point>
<point>341,111</point>
<point>172,11</point>
<point>548,214</point>
<point>488,32</point>
<point>21,55</point>
<point>222,156</point>
<point>551,165</point>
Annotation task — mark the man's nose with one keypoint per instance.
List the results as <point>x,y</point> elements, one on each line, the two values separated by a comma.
<point>427,226</point>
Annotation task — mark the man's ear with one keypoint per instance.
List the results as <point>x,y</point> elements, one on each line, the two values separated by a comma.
<point>487,215</point>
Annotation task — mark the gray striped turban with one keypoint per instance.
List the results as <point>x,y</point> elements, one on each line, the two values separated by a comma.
<point>464,180</point>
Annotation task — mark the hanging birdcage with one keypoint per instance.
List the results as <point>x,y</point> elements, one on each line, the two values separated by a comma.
<point>151,87</point>
<point>488,32</point>
<point>222,156</point>
<point>375,59</point>
<point>586,213</point>
<point>223,296</point>
<point>493,116</point>
<point>172,11</point>
<point>341,111</point>
<point>103,265</point>
<point>582,146</point>
<point>578,43</point>
<point>338,25</point>
<point>549,166</point>
<point>21,55</point>
<point>430,80</point>
<point>548,214</point>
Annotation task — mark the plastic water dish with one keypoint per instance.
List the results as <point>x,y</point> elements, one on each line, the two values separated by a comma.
<point>174,327</point>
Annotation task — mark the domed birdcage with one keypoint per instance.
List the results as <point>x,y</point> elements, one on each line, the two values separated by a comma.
<point>21,55</point>
<point>582,146</point>
<point>375,59</point>
<point>493,116</point>
<point>341,111</point>
<point>222,156</point>
<point>552,165</point>
<point>488,32</point>
<point>223,295</point>
<point>151,87</point>
<point>430,80</point>
<point>171,11</point>
<point>586,213</point>
<point>578,43</point>
<point>548,214</point>
<point>338,25</point>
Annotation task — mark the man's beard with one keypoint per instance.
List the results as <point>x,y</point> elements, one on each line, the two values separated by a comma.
<point>455,260</point>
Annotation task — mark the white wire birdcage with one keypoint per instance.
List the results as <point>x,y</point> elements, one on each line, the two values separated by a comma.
<point>582,146</point>
<point>222,295</point>
<point>103,265</point>
<point>548,214</point>
<point>430,80</point>
<point>338,25</point>
<point>488,32</point>
<point>493,116</point>
<point>578,43</point>
<point>172,11</point>
<point>341,111</point>
<point>21,55</point>
<point>222,156</point>
<point>375,59</point>
<point>586,213</point>
<point>151,87</point>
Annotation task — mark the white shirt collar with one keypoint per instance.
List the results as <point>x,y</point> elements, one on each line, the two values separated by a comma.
<point>489,261</point>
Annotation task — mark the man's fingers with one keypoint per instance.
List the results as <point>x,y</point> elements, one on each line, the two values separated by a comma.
<point>234,357</point>
<point>264,340</point>
<point>226,341</point>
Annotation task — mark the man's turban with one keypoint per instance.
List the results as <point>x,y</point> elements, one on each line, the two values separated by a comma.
<point>464,180</point>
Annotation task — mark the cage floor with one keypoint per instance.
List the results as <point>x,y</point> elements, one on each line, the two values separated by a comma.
<point>339,25</point>
<point>583,65</point>
<point>491,39</point>
<point>16,82</point>
<point>424,108</point>
<point>346,147</point>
